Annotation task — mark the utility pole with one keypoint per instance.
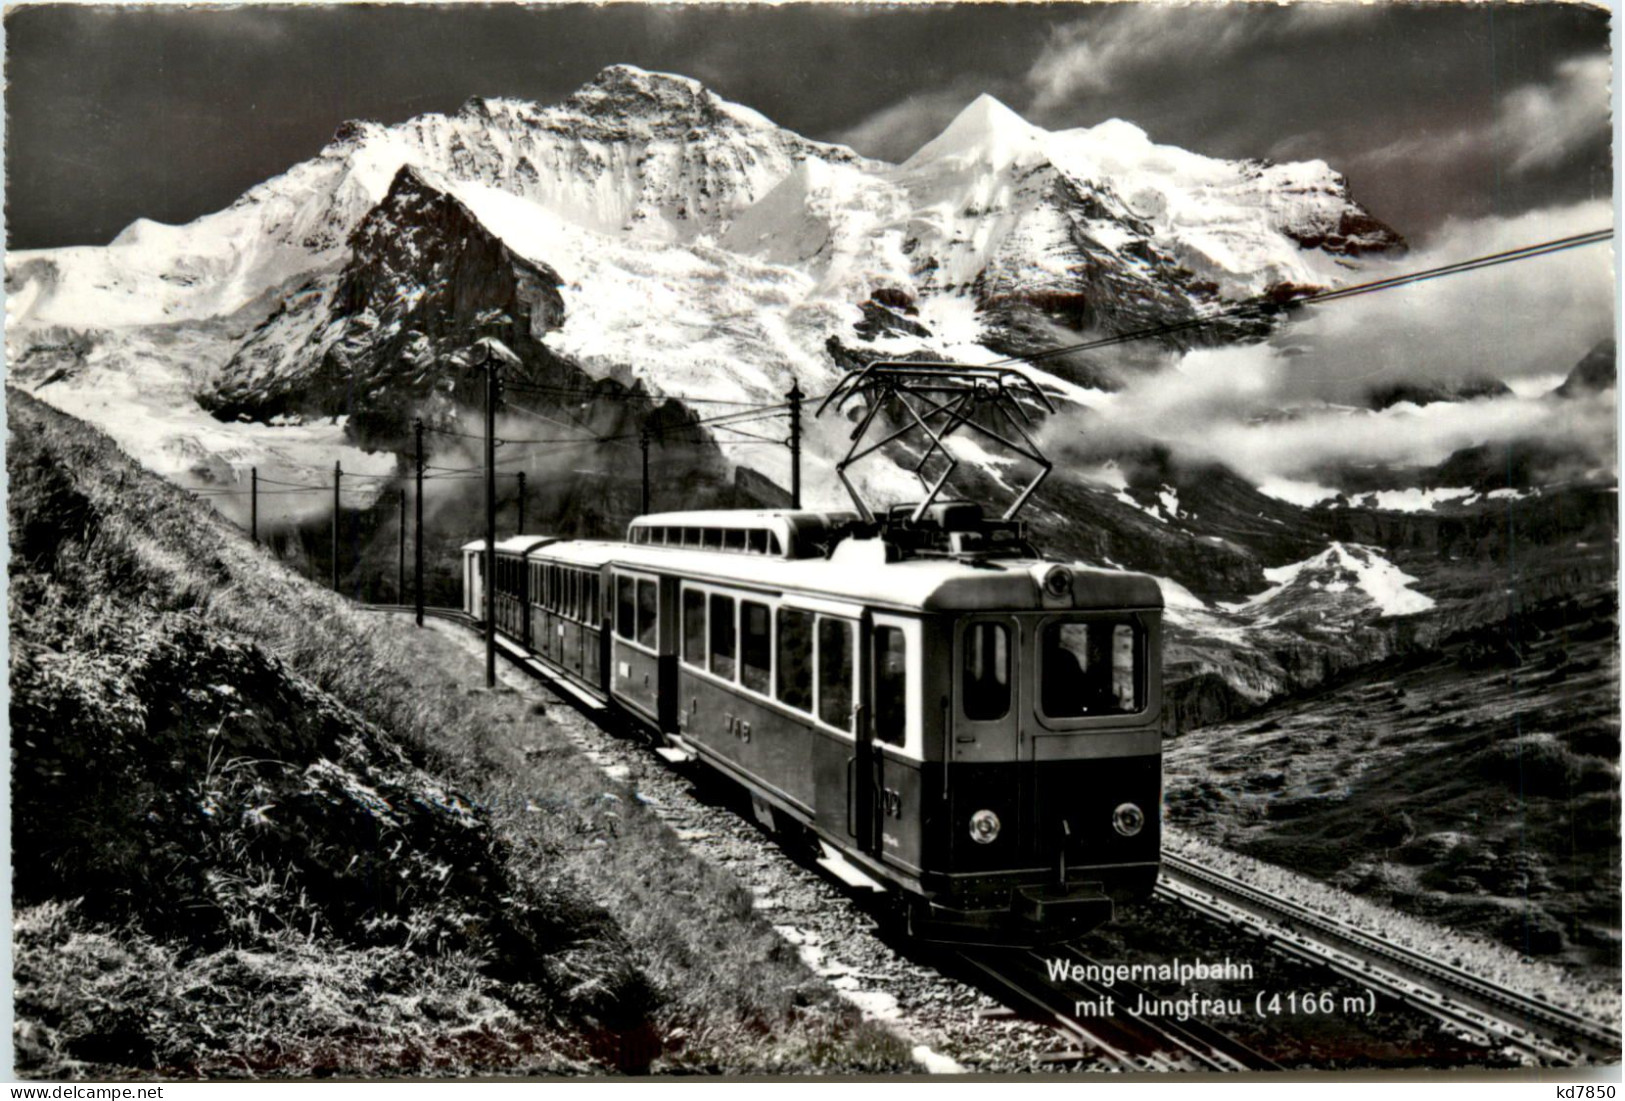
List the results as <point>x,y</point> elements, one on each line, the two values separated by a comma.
<point>254,503</point>
<point>417,529</point>
<point>400,572</point>
<point>643,442</point>
<point>338,476</point>
<point>520,530</point>
<point>491,366</point>
<point>795,395</point>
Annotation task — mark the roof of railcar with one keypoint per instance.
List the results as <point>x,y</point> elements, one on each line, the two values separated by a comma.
<point>514,544</point>
<point>857,573</point>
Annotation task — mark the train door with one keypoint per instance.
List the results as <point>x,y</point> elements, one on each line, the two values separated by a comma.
<point>635,650</point>
<point>893,692</point>
<point>986,742</point>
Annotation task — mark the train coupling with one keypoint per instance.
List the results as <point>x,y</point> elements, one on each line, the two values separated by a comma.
<point>1035,916</point>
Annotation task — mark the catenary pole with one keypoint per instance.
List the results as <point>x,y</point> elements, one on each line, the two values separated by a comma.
<point>643,442</point>
<point>254,504</point>
<point>400,569</point>
<point>795,395</point>
<point>491,365</point>
<point>520,530</point>
<point>338,476</point>
<point>417,528</point>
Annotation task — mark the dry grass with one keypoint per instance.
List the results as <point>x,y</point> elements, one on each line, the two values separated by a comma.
<point>299,846</point>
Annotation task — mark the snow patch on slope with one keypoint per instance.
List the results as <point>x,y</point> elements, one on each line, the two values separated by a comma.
<point>1342,568</point>
<point>1412,499</point>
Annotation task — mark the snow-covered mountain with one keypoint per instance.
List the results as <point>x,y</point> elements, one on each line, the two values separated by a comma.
<point>647,230</point>
<point>646,247</point>
<point>993,205</point>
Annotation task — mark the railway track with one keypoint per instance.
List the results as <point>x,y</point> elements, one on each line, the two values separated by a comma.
<point>1550,1033</point>
<point>1442,990</point>
<point>452,615</point>
<point>1132,1043</point>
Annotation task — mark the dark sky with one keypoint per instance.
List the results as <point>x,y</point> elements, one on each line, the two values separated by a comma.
<point>1432,111</point>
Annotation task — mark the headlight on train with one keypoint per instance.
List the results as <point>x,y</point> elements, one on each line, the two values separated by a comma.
<point>1058,582</point>
<point>984,827</point>
<point>1128,819</point>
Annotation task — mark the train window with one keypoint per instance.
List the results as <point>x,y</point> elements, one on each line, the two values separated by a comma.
<point>835,672</point>
<point>575,594</point>
<point>986,677</point>
<point>694,628</point>
<point>691,537</point>
<point>723,640</point>
<point>1090,668</point>
<point>713,538</point>
<point>625,598</point>
<point>592,599</point>
<point>795,659</point>
<point>773,543</point>
<point>734,539</point>
<point>891,685</point>
<point>758,541</point>
<point>755,646</point>
<point>648,612</point>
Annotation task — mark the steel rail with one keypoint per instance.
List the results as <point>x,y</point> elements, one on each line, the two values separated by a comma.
<point>1443,991</point>
<point>1134,1043</point>
<point>453,615</point>
<point>1440,989</point>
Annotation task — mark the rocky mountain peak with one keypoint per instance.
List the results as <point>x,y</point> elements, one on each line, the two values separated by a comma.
<point>986,130</point>
<point>625,97</point>
<point>1596,372</point>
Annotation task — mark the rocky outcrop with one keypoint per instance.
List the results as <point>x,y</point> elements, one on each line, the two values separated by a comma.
<point>1429,393</point>
<point>1596,373</point>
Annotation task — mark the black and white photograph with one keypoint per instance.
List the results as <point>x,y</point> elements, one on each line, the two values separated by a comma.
<point>989,541</point>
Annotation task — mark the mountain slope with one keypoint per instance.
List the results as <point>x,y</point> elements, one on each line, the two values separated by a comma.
<point>659,159</point>
<point>381,872</point>
<point>646,238</point>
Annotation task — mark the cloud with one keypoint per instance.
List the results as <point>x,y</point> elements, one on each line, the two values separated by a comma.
<point>1512,321</point>
<point>1285,408</point>
<point>1089,56</point>
<point>1536,126</point>
<point>895,132</point>
<point>1092,55</point>
<point>1544,124</point>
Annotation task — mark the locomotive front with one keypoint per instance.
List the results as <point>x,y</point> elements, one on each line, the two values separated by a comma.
<point>1034,803</point>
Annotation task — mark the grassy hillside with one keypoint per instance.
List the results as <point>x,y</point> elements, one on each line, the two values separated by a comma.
<point>1477,786</point>
<point>257,832</point>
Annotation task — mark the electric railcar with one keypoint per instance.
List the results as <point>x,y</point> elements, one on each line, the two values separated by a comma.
<point>947,715</point>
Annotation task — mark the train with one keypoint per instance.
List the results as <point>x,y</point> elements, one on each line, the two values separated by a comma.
<point>937,711</point>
